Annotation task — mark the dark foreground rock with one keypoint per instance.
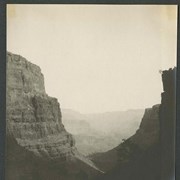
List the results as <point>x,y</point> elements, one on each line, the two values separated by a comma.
<point>167,124</point>
<point>149,153</point>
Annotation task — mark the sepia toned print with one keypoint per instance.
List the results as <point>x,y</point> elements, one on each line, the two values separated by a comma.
<point>91,92</point>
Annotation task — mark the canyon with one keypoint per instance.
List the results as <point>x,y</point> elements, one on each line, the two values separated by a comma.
<point>40,146</point>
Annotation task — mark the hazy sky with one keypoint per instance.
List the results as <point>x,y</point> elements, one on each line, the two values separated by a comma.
<point>97,58</point>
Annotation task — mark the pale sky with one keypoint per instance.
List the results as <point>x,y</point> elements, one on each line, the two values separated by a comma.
<point>97,58</point>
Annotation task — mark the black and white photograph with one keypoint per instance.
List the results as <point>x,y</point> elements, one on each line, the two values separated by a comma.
<point>90,92</point>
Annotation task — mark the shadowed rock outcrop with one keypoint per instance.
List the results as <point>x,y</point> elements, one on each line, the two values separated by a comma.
<point>148,132</point>
<point>34,120</point>
<point>149,153</point>
<point>168,123</point>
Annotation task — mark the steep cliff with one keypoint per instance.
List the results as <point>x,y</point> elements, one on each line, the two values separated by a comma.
<point>149,154</point>
<point>148,132</point>
<point>167,124</point>
<point>34,119</point>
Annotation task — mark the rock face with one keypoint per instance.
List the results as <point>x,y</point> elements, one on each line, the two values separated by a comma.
<point>167,124</point>
<point>148,132</point>
<point>33,118</point>
<point>145,137</point>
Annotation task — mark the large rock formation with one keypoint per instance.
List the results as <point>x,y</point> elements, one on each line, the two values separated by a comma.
<point>150,153</point>
<point>33,118</point>
<point>167,124</point>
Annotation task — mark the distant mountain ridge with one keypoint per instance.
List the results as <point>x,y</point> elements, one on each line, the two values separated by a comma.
<point>101,132</point>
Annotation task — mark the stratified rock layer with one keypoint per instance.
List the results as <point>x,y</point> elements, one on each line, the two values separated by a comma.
<point>34,124</point>
<point>34,118</point>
